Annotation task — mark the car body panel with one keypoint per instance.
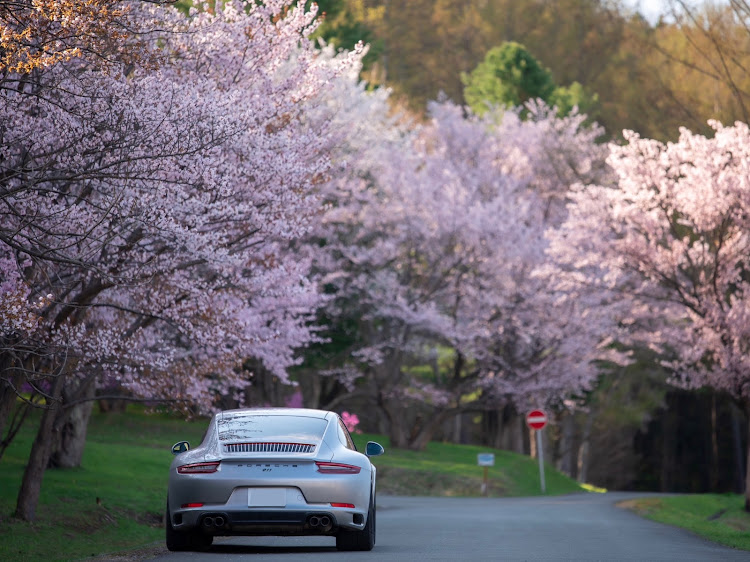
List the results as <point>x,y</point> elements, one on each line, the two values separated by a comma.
<point>268,456</point>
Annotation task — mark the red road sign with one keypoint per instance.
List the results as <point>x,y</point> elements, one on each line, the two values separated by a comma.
<point>536,419</point>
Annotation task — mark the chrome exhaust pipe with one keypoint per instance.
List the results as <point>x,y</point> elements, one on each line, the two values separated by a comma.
<point>208,521</point>
<point>314,521</point>
<point>219,521</point>
<point>325,521</point>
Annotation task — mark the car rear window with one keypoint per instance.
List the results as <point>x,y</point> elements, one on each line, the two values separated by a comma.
<point>270,428</point>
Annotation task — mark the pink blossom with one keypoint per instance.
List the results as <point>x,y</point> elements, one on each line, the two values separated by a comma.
<point>351,421</point>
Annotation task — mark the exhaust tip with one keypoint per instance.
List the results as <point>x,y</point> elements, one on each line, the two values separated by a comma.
<point>219,521</point>
<point>208,521</point>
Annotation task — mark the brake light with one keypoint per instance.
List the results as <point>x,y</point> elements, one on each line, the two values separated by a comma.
<point>337,468</point>
<point>350,505</point>
<point>188,505</point>
<point>199,468</point>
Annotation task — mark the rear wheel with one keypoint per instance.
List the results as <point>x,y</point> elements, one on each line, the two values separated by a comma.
<point>180,541</point>
<point>359,540</point>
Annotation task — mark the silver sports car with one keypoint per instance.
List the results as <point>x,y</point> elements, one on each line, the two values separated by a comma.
<point>272,471</point>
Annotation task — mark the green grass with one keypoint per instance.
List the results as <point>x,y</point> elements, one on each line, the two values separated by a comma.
<point>718,517</point>
<point>445,469</point>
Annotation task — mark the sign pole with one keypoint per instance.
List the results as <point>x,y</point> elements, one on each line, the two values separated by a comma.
<point>540,454</point>
<point>485,460</point>
<point>536,420</point>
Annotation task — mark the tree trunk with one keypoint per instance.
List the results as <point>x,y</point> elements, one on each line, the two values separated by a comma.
<point>314,390</point>
<point>70,430</point>
<point>714,466</point>
<point>419,441</point>
<point>737,418</point>
<point>112,405</point>
<point>583,451</point>
<point>565,459</point>
<point>747,463</point>
<point>31,485</point>
<point>425,430</point>
<point>7,392</point>
<point>457,429</point>
<point>518,437</point>
<point>667,442</point>
<point>506,430</point>
<point>397,422</point>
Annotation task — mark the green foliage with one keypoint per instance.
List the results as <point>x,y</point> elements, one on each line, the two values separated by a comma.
<point>629,394</point>
<point>717,517</point>
<point>509,76</point>
<point>565,98</point>
<point>341,27</point>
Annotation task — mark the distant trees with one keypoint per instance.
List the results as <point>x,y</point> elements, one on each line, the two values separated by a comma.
<point>649,77</point>
<point>701,58</point>
<point>510,76</point>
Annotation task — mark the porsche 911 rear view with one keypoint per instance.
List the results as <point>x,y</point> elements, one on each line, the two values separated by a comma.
<point>272,471</point>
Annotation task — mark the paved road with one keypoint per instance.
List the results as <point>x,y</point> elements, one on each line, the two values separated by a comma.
<point>576,527</point>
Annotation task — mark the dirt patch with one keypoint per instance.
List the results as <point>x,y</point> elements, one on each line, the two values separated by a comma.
<point>143,553</point>
<point>643,506</point>
<point>740,523</point>
<point>717,515</point>
<point>88,522</point>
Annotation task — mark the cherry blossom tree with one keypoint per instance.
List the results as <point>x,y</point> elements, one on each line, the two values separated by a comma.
<point>158,208</point>
<point>437,237</point>
<point>672,237</point>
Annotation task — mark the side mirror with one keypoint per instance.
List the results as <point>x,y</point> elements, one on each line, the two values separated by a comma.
<point>180,447</point>
<point>374,449</point>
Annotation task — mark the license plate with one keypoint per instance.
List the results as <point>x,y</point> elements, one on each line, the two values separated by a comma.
<point>266,497</point>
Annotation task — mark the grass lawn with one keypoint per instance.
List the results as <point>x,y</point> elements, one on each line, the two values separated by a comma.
<point>445,469</point>
<point>717,517</point>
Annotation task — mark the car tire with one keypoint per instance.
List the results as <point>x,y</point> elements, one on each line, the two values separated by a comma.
<point>181,541</point>
<point>359,540</point>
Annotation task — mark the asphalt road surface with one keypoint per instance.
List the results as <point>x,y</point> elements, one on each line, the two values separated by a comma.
<point>575,527</point>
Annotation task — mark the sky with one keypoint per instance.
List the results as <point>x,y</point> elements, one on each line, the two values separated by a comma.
<point>651,9</point>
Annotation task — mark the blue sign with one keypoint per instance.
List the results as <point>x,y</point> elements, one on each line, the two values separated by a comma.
<point>486,459</point>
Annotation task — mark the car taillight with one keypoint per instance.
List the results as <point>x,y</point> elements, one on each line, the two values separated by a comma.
<point>337,468</point>
<point>198,468</point>
<point>350,505</point>
<point>189,505</point>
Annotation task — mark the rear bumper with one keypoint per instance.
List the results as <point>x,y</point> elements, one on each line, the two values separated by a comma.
<point>278,522</point>
<point>292,517</point>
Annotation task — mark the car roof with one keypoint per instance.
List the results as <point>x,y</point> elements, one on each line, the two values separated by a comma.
<point>300,412</point>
